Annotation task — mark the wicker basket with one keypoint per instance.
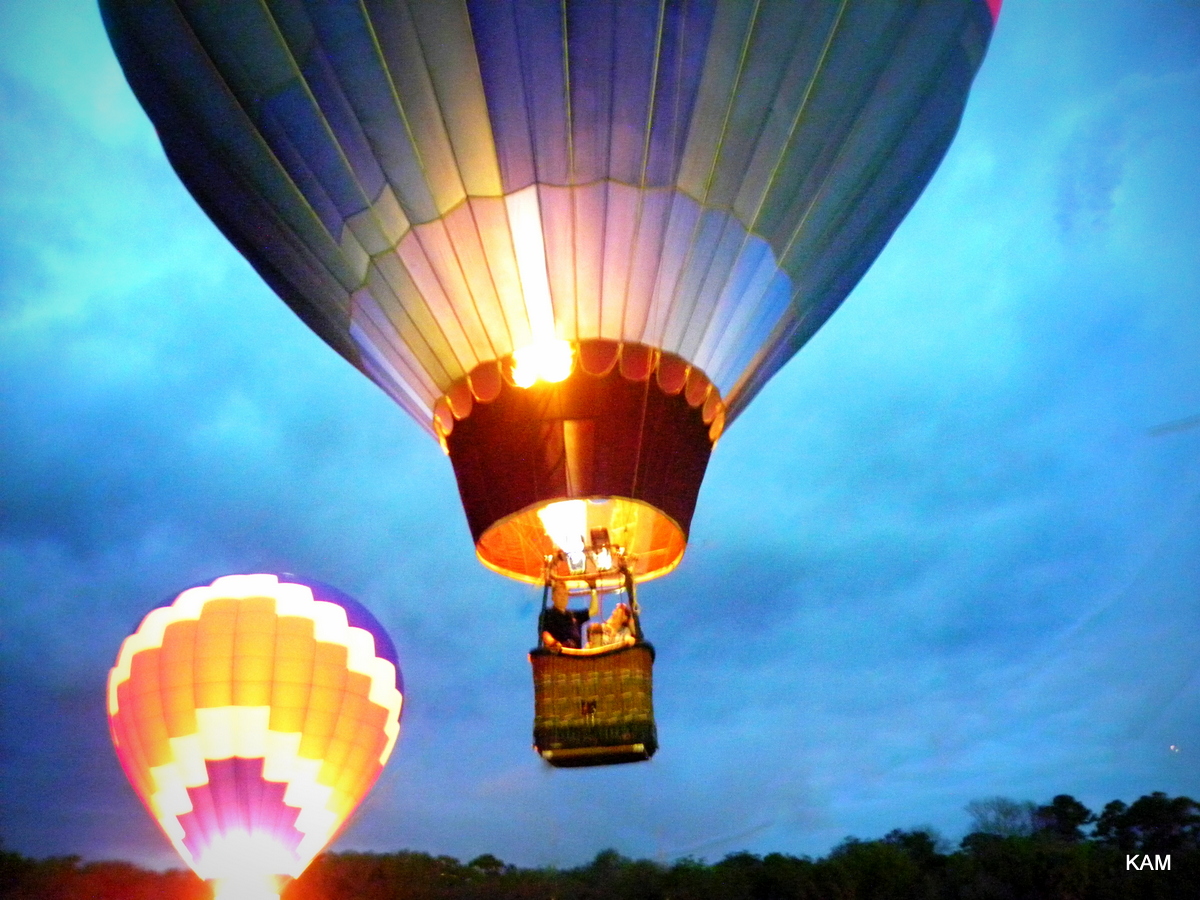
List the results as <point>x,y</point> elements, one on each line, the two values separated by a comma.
<point>594,710</point>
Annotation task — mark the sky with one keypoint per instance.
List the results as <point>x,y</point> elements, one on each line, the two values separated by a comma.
<point>947,554</point>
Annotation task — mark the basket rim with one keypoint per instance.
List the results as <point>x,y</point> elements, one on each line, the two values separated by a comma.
<point>616,651</point>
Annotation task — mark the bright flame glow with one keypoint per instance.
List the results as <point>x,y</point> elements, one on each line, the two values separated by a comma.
<point>246,887</point>
<point>546,361</point>
<point>547,358</point>
<point>525,221</point>
<point>240,858</point>
<point>565,523</point>
<point>604,558</point>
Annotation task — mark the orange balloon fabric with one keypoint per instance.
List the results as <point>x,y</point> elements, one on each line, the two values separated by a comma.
<point>251,716</point>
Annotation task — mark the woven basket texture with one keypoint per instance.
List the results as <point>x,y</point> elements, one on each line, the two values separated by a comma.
<point>594,701</point>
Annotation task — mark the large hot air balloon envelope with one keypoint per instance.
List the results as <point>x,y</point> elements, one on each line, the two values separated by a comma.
<point>572,239</point>
<point>251,716</point>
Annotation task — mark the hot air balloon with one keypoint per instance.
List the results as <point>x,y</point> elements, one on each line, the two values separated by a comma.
<point>252,715</point>
<point>572,239</point>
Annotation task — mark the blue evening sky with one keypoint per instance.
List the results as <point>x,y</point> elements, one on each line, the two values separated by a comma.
<point>943,556</point>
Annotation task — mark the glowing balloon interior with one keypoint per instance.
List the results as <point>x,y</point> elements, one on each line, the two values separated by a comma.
<point>251,716</point>
<point>586,201</point>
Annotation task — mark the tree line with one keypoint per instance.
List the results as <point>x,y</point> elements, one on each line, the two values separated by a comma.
<point>1015,851</point>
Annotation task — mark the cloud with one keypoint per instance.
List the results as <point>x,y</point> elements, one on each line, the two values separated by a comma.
<point>1091,173</point>
<point>61,49</point>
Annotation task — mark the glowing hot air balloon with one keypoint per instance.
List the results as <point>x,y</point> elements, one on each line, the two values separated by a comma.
<point>251,716</point>
<point>572,238</point>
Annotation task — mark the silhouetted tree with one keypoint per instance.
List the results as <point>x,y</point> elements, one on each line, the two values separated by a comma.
<point>1054,862</point>
<point>68,878</point>
<point>880,870</point>
<point>1001,816</point>
<point>920,844</point>
<point>487,864</point>
<point>1109,828</point>
<point>1154,823</point>
<point>1063,819</point>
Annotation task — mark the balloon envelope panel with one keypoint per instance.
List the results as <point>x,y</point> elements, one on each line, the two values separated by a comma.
<point>251,716</point>
<point>434,185</point>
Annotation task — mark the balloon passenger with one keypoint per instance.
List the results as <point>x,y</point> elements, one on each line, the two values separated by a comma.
<point>617,630</point>
<point>562,627</point>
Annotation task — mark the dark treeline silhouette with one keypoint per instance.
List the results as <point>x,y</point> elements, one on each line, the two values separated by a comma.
<point>1017,851</point>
